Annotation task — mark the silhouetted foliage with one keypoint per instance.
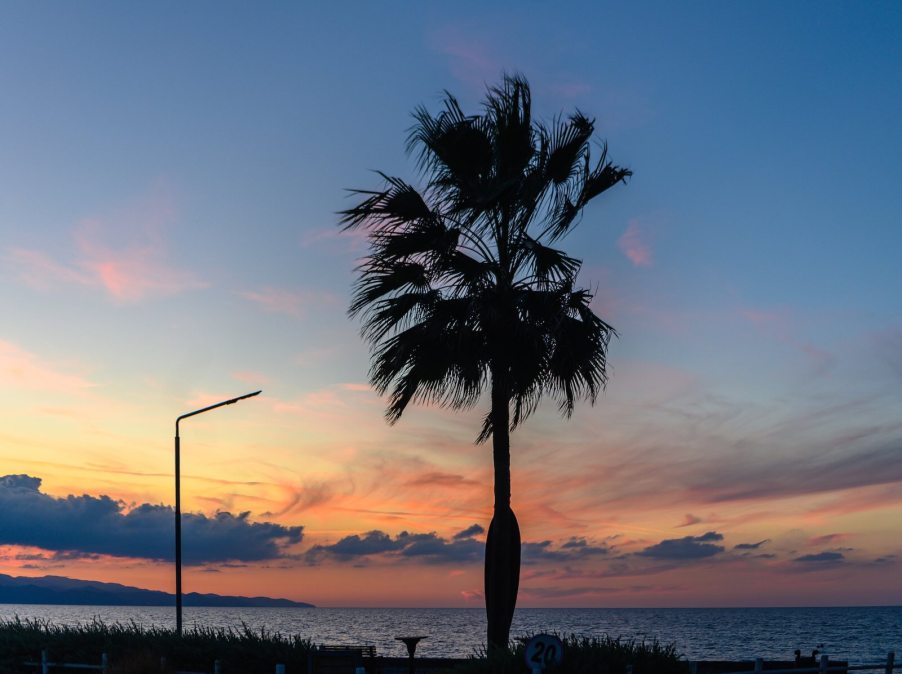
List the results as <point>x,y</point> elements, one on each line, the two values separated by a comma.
<point>134,648</point>
<point>587,655</point>
<point>465,290</point>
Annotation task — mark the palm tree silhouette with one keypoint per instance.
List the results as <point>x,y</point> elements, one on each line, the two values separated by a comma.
<point>463,290</point>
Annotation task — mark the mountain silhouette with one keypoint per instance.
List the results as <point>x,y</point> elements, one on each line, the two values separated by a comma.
<point>62,590</point>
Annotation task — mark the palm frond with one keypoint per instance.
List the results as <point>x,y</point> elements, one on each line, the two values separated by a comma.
<point>463,284</point>
<point>566,147</point>
<point>509,111</point>
<point>604,176</point>
<point>547,264</point>
<point>428,236</point>
<point>378,280</point>
<point>435,361</point>
<point>398,203</point>
<point>453,150</point>
<point>396,312</point>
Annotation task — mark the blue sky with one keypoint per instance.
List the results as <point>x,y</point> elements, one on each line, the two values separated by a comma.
<point>168,191</point>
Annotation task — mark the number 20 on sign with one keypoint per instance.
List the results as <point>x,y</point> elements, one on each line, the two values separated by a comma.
<point>543,650</point>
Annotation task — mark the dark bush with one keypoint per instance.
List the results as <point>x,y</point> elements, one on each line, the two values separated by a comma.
<point>588,655</point>
<point>133,648</point>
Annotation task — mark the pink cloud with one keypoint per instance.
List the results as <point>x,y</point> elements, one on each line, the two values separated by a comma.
<point>469,59</point>
<point>633,245</point>
<point>39,271</point>
<point>688,520</point>
<point>571,89</point>
<point>350,240</point>
<point>133,269</point>
<point>20,369</point>
<point>316,355</point>
<point>762,318</point>
<point>780,325</point>
<point>829,539</point>
<point>250,377</point>
<point>356,387</point>
<point>289,302</point>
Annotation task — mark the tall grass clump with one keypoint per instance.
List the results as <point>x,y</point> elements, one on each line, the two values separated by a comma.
<point>134,648</point>
<point>587,655</point>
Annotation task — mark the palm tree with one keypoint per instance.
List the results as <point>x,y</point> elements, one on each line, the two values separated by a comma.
<point>463,289</point>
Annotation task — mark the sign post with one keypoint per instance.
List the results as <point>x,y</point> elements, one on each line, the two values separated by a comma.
<point>543,650</point>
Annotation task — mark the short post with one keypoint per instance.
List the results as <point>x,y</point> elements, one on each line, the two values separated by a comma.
<point>45,666</point>
<point>890,661</point>
<point>104,663</point>
<point>162,664</point>
<point>280,669</point>
<point>629,669</point>
<point>759,664</point>
<point>693,667</point>
<point>824,663</point>
<point>217,668</point>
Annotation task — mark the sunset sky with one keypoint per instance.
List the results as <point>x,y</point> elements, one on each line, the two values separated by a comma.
<point>169,180</point>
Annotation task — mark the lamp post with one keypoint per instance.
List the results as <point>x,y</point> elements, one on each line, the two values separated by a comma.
<point>178,506</point>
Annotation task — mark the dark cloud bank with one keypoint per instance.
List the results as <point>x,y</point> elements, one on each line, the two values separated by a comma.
<point>90,525</point>
<point>431,548</point>
<point>688,547</point>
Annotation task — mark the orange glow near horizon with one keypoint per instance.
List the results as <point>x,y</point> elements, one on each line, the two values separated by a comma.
<point>169,238</point>
<point>343,482</point>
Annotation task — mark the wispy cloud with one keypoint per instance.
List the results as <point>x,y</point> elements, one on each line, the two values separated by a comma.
<point>289,302</point>
<point>821,558</point>
<point>299,498</point>
<point>341,240</point>
<point>829,539</point>
<point>314,356</point>
<point>22,369</point>
<point>132,269</point>
<point>38,270</point>
<point>570,88</point>
<point>633,244</point>
<point>470,58</point>
<point>440,479</point>
<point>780,324</point>
<point>250,377</point>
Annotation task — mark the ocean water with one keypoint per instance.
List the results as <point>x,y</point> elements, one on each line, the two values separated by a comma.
<point>860,635</point>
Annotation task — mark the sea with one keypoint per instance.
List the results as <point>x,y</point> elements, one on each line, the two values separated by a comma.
<point>859,635</point>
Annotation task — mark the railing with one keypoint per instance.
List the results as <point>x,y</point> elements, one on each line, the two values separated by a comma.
<point>824,667</point>
<point>104,665</point>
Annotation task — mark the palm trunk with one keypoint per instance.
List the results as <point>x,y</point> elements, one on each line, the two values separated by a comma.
<point>502,554</point>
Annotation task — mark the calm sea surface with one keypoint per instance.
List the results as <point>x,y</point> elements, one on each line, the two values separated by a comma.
<point>855,634</point>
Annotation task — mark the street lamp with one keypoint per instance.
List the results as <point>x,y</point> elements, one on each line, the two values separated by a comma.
<point>178,507</point>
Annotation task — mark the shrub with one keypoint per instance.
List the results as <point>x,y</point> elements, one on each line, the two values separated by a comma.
<point>588,655</point>
<point>133,649</point>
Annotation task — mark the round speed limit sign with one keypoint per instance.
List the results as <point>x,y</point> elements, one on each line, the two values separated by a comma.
<point>543,650</point>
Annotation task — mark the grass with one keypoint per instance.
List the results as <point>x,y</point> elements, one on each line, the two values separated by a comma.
<point>588,655</point>
<point>135,649</point>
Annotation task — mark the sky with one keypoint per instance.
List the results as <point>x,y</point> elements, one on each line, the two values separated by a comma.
<point>170,175</point>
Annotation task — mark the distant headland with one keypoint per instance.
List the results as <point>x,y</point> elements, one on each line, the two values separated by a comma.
<point>71,591</point>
